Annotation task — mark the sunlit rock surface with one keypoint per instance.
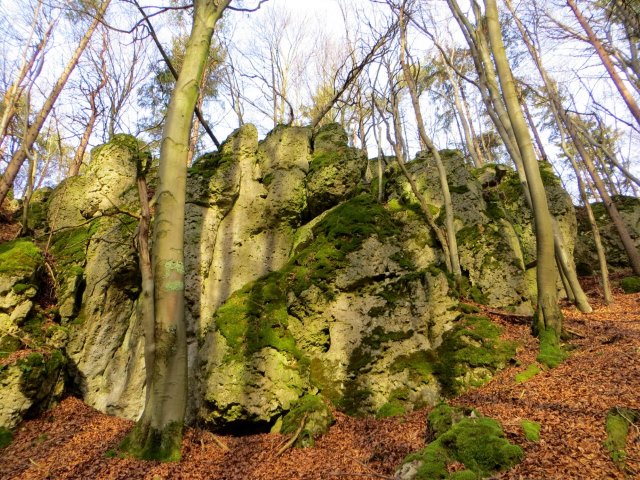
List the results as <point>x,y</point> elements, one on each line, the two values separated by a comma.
<point>299,284</point>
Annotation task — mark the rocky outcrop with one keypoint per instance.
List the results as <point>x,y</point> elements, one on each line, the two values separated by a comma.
<point>28,381</point>
<point>586,255</point>
<point>302,290</point>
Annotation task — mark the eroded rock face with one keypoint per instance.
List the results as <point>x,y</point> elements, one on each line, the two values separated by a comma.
<point>298,283</point>
<point>97,271</point>
<point>586,255</point>
<point>494,230</point>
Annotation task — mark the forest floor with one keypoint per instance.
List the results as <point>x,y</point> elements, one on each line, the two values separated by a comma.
<point>74,441</point>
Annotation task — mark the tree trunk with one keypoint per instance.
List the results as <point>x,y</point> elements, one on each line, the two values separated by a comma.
<point>565,267</point>
<point>422,201</point>
<point>428,143</point>
<point>606,61</point>
<point>158,433</point>
<point>548,319</point>
<point>31,135</point>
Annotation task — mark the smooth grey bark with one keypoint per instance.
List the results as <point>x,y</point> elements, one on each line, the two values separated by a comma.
<point>158,433</point>
<point>548,321</point>
<point>450,232</point>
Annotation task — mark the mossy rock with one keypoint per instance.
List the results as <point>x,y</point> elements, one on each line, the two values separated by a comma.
<point>473,344</point>
<point>617,427</point>
<point>39,370</point>
<point>8,345</point>
<point>313,415</point>
<point>19,258</point>
<point>466,437</point>
<point>630,284</point>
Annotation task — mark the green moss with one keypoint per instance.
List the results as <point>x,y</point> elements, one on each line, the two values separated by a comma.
<point>322,160</point>
<point>6,437</point>
<point>315,414</point>
<point>19,257</point>
<point>38,368</point>
<point>147,443</point>
<point>404,259</point>
<point>256,317</point>
<point>473,343</point>
<point>206,165</point>
<point>459,189</point>
<point>442,418</point>
<point>354,400</point>
<point>8,345</point>
<point>466,437</point>
<point>531,430</point>
<point>467,308</point>
<point>551,353</point>
<point>419,364</point>
<point>321,378</point>
<point>630,284</point>
<point>20,288</point>
<point>617,426</point>
<point>371,344</point>
<point>391,409</point>
<point>531,371</point>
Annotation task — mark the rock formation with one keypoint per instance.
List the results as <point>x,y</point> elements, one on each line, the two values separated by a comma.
<point>301,289</point>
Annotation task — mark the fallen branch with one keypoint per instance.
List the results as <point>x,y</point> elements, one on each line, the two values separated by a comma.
<point>293,439</point>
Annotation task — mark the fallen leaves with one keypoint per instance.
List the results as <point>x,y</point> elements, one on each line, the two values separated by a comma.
<point>73,441</point>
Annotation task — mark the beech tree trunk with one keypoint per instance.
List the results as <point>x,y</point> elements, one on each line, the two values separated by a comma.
<point>454,258</point>
<point>548,319</point>
<point>158,433</point>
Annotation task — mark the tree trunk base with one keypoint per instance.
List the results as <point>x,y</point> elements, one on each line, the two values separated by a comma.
<point>147,443</point>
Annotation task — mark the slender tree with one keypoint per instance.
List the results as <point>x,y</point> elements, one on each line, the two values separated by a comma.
<point>158,433</point>
<point>548,318</point>
<point>31,135</point>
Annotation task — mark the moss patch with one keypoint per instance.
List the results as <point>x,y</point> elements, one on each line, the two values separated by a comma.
<point>630,284</point>
<point>531,430</point>
<point>256,316</point>
<point>474,342</point>
<point>315,414</point>
<point>617,426</point>
<point>6,437</point>
<point>475,441</point>
<point>531,371</point>
<point>19,257</point>
<point>551,353</point>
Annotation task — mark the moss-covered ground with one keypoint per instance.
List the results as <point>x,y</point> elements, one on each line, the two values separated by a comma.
<point>618,422</point>
<point>467,438</point>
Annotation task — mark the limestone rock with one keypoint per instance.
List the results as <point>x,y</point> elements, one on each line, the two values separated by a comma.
<point>586,255</point>
<point>29,386</point>
<point>335,169</point>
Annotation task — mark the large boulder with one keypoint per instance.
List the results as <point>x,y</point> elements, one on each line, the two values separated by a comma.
<point>586,255</point>
<point>97,274</point>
